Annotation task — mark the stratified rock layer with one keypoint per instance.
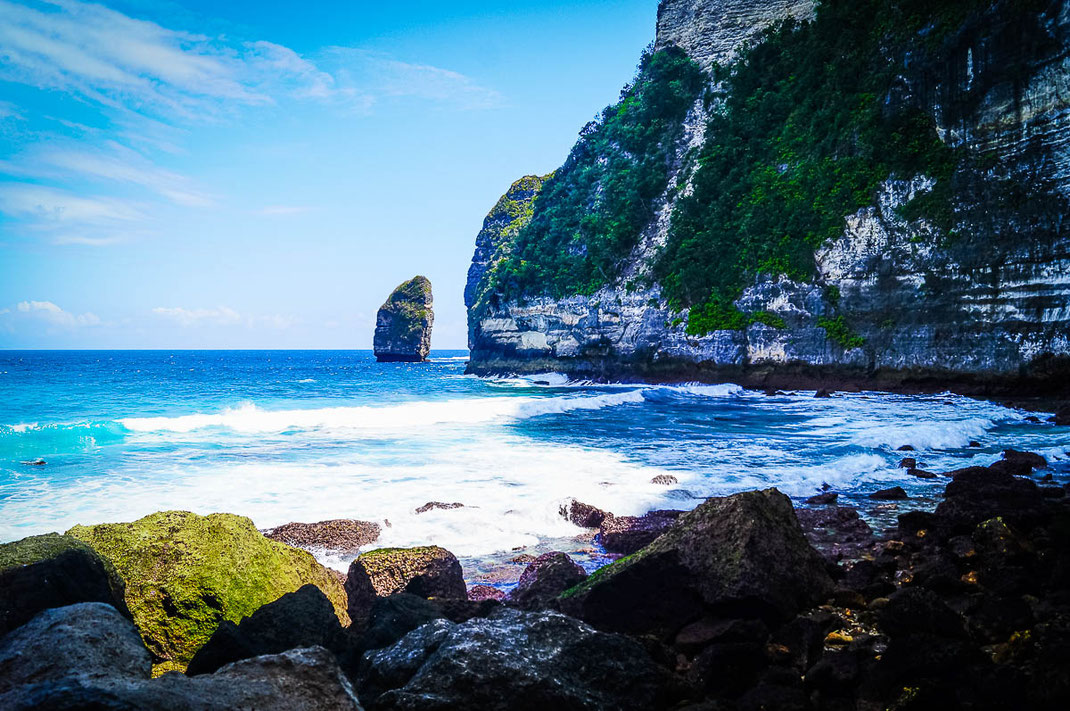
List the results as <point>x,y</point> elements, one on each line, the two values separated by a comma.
<point>403,324</point>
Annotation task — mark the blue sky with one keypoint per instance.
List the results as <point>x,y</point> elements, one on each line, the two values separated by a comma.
<point>261,174</point>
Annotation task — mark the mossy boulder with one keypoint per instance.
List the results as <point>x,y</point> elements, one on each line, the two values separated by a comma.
<point>185,574</point>
<point>403,323</point>
<point>427,571</point>
<point>739,556</point>
<point>41,572</point>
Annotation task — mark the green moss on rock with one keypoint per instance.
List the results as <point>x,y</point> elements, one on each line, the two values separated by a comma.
<point>187,573</point>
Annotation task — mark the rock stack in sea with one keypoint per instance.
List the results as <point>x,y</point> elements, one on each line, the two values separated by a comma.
<point>403,324</point>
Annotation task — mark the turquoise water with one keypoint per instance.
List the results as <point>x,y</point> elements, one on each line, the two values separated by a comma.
<point>311,435</point>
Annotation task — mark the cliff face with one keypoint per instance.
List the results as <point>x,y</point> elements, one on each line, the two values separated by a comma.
<point>974,296</point>
<point>403,323</point>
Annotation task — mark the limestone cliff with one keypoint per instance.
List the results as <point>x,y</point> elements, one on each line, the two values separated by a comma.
<point>936,276</point>
<point>403,323</point>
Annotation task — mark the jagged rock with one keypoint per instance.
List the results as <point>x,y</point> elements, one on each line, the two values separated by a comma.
<point>88,656</point>
<point>40,572</point>
<point>823,499</point>
<point>512,660</point>
<point>304,618</point>
<point>403,324</point>
<point>908,463</point>
<point>478,593</point>
<point>921,473</point>
<point>185,574</point>
<point>627,534</point>
<point>664,479</point>
<point>342,535</point>
<point>823,392</point>
<point>977,494</point>
<point>427,571</point>
<point>905,448</point>
<point>1062,416</point>
<point>583,515</point>
<point>744,554</point>
<point>835,531</point>
<point>437,505</point>
<point>544,579</point>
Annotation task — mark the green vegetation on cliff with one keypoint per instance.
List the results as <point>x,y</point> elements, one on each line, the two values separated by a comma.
<point>589,214</point>
<point>812,119</point>
<point>186,573</point>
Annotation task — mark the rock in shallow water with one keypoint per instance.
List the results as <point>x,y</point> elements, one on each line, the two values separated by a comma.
<point>627,534</point>
<point>40,572</point>
<point>544,579</point>
<point>342,535</point>
<point>512,660</point>
<point>581,514</point>
<point>403,323</point>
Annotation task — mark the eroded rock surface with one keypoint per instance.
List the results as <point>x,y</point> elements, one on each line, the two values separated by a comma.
<point>403,323</point>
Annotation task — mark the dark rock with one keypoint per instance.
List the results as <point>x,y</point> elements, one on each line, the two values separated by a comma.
<point>341,535</point>
<point>88,657</point>
<point>522,559</point>
<point>823,392</point>
<point>438,505</point>
<point>35,462</point>
<point>41,572</point>
<point>1032,418</point>
<point>823,499</point>
<point>513,660</point>
<point>917,610</point>
<point>403,323</point>
<point>478,593</point>
<point>905,448</point>
<point>921,473</point>
<point>666,479</point>
<point>583,515</point>
<point>627,534</point>
<point>908,463</point>
<point>1033,460</point>
<point>835,531</point>
<point>544,579</point>
<point>706,631</point>
<point>429,571</point>
<point>974,443</point>
<point>744,555</point>
<point>804,637</point>
<point>977,494</point>
<point>894,493</point>
<point>1052,492</point>
<point>393,617</point>
<point>1062,416</point>
<point>304,618</point>
<point>913,522</point>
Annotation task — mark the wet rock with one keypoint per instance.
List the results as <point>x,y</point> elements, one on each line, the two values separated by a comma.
<point>41,572</point>
<point>522,559</point>
<point>544,579</point>
<point>512,660</point>
<point>35,462</point>
<point>438,505</point>
<point>583,515</point>
<point>427,571</point>
<point>342,535</point>
<point>627,534</point>
<point>478,593</point>
<point>921,473</point>
<point>304,618</point>
<point>974,443</point>
<point>1031,459</point>
<point>835,531</point>
<point>1062,416</point>
<point>88,656</point>
<point>905,448</point>
<point>978,493</point>
<point>908,463</point>
<point>744,553</point>
<point>823,392</point>
<point>823,499</point>
<point>666,479</point>
<point>185,574</point>
<point>1032,418</point>
<point>894,493</point>
<point>403,323</point>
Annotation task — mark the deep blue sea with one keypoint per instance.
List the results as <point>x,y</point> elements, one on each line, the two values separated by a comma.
<point>310,435</point>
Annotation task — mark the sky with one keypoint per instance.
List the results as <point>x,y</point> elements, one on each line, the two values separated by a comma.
<point>204,174</point>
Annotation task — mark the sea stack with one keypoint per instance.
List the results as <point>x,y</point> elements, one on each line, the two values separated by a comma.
<point>403,324</point>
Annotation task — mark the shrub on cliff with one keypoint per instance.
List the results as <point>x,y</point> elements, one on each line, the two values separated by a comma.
<point>187,573</point>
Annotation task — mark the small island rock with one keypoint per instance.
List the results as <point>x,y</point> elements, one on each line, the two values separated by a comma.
<point>403,324</point>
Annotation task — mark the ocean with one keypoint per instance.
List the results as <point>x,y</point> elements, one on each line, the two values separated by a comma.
<point>285,436</point>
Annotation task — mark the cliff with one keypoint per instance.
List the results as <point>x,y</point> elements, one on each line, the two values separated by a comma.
<point>403,323</point>
<point>795,192</point>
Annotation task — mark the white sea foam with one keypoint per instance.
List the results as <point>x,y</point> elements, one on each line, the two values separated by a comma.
<point>945,434</point>
<point>307,380</point>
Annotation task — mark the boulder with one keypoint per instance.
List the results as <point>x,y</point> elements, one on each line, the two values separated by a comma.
<point>512,660</point>
<point>544,579</point>
<point>304,618</point>
<point>438,505</point>
<point>403,323</point>
<point>583,515</point>
<point>836,531</point>
<point>739,556</point>
<point>825,498</point>
<point>340,535</point>
<point>823,392</point>
<point>427,571</point>
<point>908,463</point>
<point>627,534</point>
<point>478,593</point>
<point>977,494</point>
<point>88,656</point>
<point>185,574</point>
<point>664,479</point>
<point>41,572</point>
<point>921,473</point>
<point>1062,416</point>
<point>894,493</point>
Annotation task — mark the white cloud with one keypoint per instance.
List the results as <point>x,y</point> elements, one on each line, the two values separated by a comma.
<point>55,205</point>
<point>9,110</point>
<point>56,316</point>
<point>220,316</point>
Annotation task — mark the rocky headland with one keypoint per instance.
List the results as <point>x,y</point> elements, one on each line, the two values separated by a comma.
<point>745,602</point>
<point>403,323</point>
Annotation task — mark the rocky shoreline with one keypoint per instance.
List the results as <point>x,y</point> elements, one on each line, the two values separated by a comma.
<point>746,602</point>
